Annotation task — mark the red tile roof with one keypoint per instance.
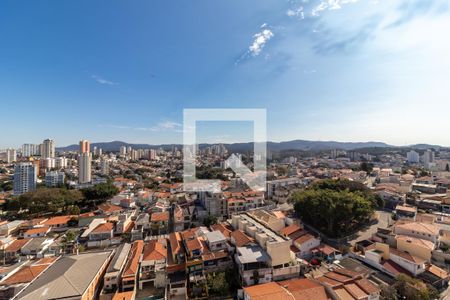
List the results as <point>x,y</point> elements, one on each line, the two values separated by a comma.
<point>290,229</point>
<point>132,264</point>
<point>154,250</point>
<point>160,216</point>
<point>104,227</point>
<point>304,289</point>
<point>28,273</point>
<point>60,220</point>
<point>240,238</point>
<point>37,230</point>
<point>17,245</point>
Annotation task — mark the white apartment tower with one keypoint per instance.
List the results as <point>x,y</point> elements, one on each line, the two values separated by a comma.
<point>11,155</point>
<point>84,163</point>
<point>48,149</point>
<point>30,150</point>
<point>412,157</point>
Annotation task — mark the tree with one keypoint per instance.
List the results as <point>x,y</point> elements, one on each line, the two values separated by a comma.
<point>210,220</point>
<point>333,209</point>
<point>45,200</point>
<point>414,289</point>
<point>70,236</point>
<point>218,284</point>
<point>99,193</point>
<point>367,167</point>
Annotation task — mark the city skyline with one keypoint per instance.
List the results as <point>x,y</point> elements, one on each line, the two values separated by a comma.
<point>324,70</point>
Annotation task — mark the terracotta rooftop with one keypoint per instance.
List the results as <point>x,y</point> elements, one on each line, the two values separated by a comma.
<point>104,227</point>
<point>123,295</point>
<point>154,250</point>
<point>304,238</point>
<point>290,229</point>
<point>132,263</point>
<point>17,245</point>
<point>268,291</point>
<point>222,228</point>
<point>27,273</point>
<point>304,289</point>
<point>160,216</point>
<point>240,238</point>
<point>37,230</point>
<point>175,242</point>
<point>367,286</point>
<point>60,220</point>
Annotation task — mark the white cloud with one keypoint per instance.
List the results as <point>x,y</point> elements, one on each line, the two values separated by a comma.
<point>102,80</point>
<point>330,5</point>
<point>260,39</point>
<point>296,12</point>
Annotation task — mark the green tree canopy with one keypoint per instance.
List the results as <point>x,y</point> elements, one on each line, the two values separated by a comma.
<point>99,193</point>
<point>45,200</point>
<point>335,207</point>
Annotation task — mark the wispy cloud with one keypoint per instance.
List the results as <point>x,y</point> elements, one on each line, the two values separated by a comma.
<point>329,5</point>
<point>298,12</point>
<point>102,80</point>
<point>161,126</point>
<point>259,40</point>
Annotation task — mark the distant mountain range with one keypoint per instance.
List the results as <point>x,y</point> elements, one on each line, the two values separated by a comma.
<point>273,146</point>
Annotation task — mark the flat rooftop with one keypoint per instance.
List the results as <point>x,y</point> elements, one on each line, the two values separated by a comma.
<point>67,278</point>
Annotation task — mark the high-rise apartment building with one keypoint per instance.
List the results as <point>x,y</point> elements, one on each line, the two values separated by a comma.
<point>24,178</point>
<point>84,163</point>
<point>123,151</point>
<point>11,155</point>
<point>84,146</point>
<point>412,157</point>
<point>105,166</point>
<point>48,149</point>
<point>30,150</point>
<point>54,178</point>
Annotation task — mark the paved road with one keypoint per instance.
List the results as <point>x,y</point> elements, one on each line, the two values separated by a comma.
<point>382,217</point>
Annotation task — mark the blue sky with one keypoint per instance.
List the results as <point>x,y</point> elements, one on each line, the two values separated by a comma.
<point>343,70</point>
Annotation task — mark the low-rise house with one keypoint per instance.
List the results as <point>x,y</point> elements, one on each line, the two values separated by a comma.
<point>103,231</point>
<point>406,212</point>
<point>294,289</point>
<point>253,265</point>
<point>343,284</point>
<point>124,222</point>
<point>36,247</point>
<point>305,244</point>
<point>159,222</point>
<point>109,209</point>
<point>177,286</point>
<point>10,227</point>
<point>216,241</point>
<point>413,264</point>
<point>12,251</point>
<point>175,242</point>
<point>36,232</point>
<point>419,230</point>
<point>14,283</point>
<point>115,268</point>
<point>58,224</point>
<point>418,247</point>
<point>130,274</point>
<point>153,264</point>
<point>436,277</point>
<point>327,252</point>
